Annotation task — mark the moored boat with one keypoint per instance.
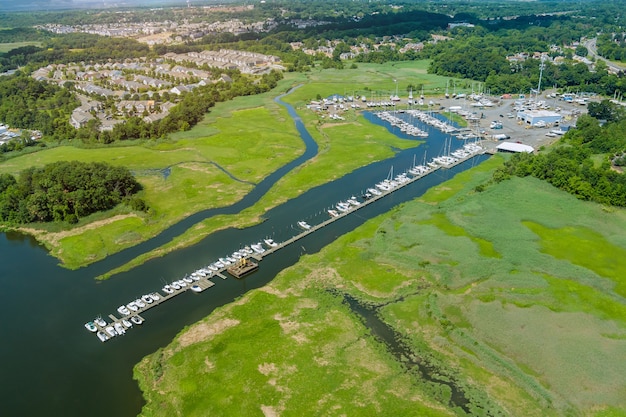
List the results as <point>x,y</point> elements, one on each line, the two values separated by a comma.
<point>304,225</point>
<point>123,310</point>
<point>102,336</point>
<point>136,319</point>
<point>270,242</point>
<point>119,328</point>
<point>110,331</point>
<point>100,321</point>
<point>196,288</point>
<point>90,325</point>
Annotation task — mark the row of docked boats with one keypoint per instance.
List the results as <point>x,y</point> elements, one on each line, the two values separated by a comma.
<point>431,120</point>
<point>138,304</point>
<point>106,331</point>
<point>391,182</point>
<point>130,312</point>
<point>405,127</point>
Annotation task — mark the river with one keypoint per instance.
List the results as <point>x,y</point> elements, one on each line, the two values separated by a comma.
<point>53,366</point>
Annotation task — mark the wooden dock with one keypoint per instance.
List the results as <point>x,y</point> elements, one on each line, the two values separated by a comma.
<point>246,266</point>
<point>242,268</point>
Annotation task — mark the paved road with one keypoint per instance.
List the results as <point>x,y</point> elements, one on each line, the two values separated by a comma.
<point>590,44</point>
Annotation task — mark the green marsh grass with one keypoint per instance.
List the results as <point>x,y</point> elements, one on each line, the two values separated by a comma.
<point>529,333</point>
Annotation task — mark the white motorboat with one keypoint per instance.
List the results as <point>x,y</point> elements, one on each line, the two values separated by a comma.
<point>90,325</point>
<point>139,303</point>
<point>236,255</point>
<point>333,213</point>
<point>304,225</point>
<point>196,288</point>
<point>374,191</point>
<point>168,289</point>
<point>102,336</point>
<point>110,331</point>
<point>127,323</point>
<point>188,280</point>
<point>182,282</point>
<point>119,329</point>
<point>175,285</point>
<point>270,242</point>
<point>100,321</point>
<point>147,299</point>
<point>225,261</point>
<point>247,250</point>
<point>155,296</point>
<point>132,306</point>
<point>123,310</point>
<point>231,260</point>
<point>258,248</point>
<point>219,264</point>
<point>195,276</point>
<point>353,201</point>
<point>136,319</point>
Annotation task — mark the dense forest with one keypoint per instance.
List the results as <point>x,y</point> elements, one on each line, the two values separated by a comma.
<point>65,191</point>
<point>29,104</point>
<point>572,165</point>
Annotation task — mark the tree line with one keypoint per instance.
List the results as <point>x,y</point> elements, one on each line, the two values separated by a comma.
<point>65,191</point>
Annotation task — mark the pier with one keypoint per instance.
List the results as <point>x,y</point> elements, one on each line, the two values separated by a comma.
<point>200,280</point>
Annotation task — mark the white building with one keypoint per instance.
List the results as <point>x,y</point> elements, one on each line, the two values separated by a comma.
<point>514,147</point>
<point>543,117</point>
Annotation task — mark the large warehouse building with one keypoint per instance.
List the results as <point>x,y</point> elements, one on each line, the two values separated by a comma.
<point>539,117</point>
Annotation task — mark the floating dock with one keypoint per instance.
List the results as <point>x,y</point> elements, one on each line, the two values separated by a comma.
<point>242,268</point>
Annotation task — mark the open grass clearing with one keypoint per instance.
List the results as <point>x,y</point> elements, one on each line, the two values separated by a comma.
<point>7,47</point>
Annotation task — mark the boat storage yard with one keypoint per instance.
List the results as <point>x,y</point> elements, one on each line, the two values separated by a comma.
<point>241,263</point>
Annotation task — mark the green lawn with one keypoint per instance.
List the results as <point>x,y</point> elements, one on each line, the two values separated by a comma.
<point>514,293</point>
<point>7,47</point>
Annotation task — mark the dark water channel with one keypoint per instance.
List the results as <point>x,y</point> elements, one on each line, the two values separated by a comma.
<point>404,354</point>
<point>51,366</point>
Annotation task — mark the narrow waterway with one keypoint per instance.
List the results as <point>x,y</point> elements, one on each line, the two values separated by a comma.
<point>405,355</point>
<point>248,200</point>
<point>53,366</point>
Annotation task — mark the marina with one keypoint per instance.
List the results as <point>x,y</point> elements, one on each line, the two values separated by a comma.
<point>240,264</point>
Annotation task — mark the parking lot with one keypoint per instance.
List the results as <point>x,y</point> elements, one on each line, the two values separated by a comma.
<point>516,130</point>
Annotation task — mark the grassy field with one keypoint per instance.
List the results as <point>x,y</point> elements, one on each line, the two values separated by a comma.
<point>249,137</point>
<point>6,47</point>
<point>480,284</point>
